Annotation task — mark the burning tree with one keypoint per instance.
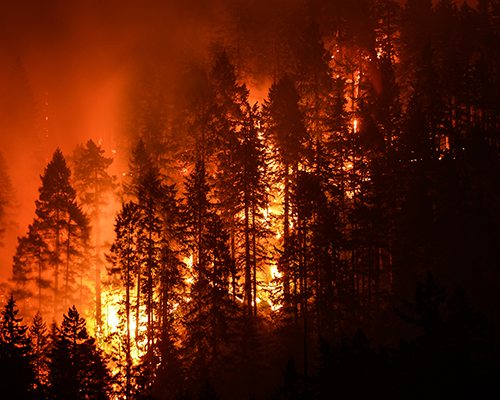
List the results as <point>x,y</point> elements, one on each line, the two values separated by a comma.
<point>124,256</point>
<point>210,308</point>
<point>287,136</point>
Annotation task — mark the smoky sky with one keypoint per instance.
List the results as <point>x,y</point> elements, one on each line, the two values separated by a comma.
<point>78,54</point>
<point>78,57</point>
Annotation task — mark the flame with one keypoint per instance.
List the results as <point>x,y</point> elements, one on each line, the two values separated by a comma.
<point>275,274</point>
<point>273,289</point>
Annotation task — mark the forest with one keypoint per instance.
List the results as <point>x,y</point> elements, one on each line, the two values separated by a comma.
<point>339,238</point>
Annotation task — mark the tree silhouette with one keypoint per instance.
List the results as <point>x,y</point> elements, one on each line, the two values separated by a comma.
<point>210,309</point>
<point>93,186</point>
<point>78,369</point>
<point>17,378</point>
<point>285,130</point>
<point>63,225</point>
<point>40,347</point>
<point>30,263</point>
<point>140,164</point>
<point>125,259</point>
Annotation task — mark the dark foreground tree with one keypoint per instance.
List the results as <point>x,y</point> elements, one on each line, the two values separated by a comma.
<point>78,369</point>
<point>16,373</point>
<point>40,347</point>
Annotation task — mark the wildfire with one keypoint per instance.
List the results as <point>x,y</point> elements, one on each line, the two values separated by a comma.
<point>113,332</point>
<point>272,290</point>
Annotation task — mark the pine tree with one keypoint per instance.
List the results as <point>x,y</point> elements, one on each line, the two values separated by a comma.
<point>426,310</point>
<point>231,100</point>
<point>63,226</point>
<point>240,173</point>
<point>149,197</point>
<point>93,185</point>
<point>40,347</point>
<point>30,263</point>
<point>196,212</point>
<point>251,187</point>
<point>210,308</point>
<point>78,369</point>
<point>286,133</point>
<point>145,251</point>
<point>17,378</point>
<point>125,259</point>
<point>145,117</point>
<point>140,164</point>
<point>293,385</point>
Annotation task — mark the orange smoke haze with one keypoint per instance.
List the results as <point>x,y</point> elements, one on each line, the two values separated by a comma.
<point>78,58</point>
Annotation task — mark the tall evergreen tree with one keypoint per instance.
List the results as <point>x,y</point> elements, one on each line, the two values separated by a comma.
<point>208,312</point>
<point>63,225</point>
<point>140,164</point>
<point>30,263</point>
<point>40,347</point>
<point>150,195</point>
<point>78,369</point>
<point>17,378</point>
<point>286,133</point>
<point>93,185</point>
<point>231,101</point>
<point>125,259</point>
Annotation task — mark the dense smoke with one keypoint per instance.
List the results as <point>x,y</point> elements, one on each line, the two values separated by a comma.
<point>65,66</point>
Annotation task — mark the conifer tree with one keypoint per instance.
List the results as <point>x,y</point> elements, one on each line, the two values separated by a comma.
<point>17,378</point>
<point>196,211</point>
<point>62,224</point>
<point>285,131</point>
<point>30,263</point>
<point>40,347</point>
<point>125,259</point>
<point>149,197</point>
<point>206,242</point>
<point>251,199</point>
<point>231,99</point>
<point>93,185</point>
<point>57,241</point>
<point>78,369</point>
<point>140,164</point>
